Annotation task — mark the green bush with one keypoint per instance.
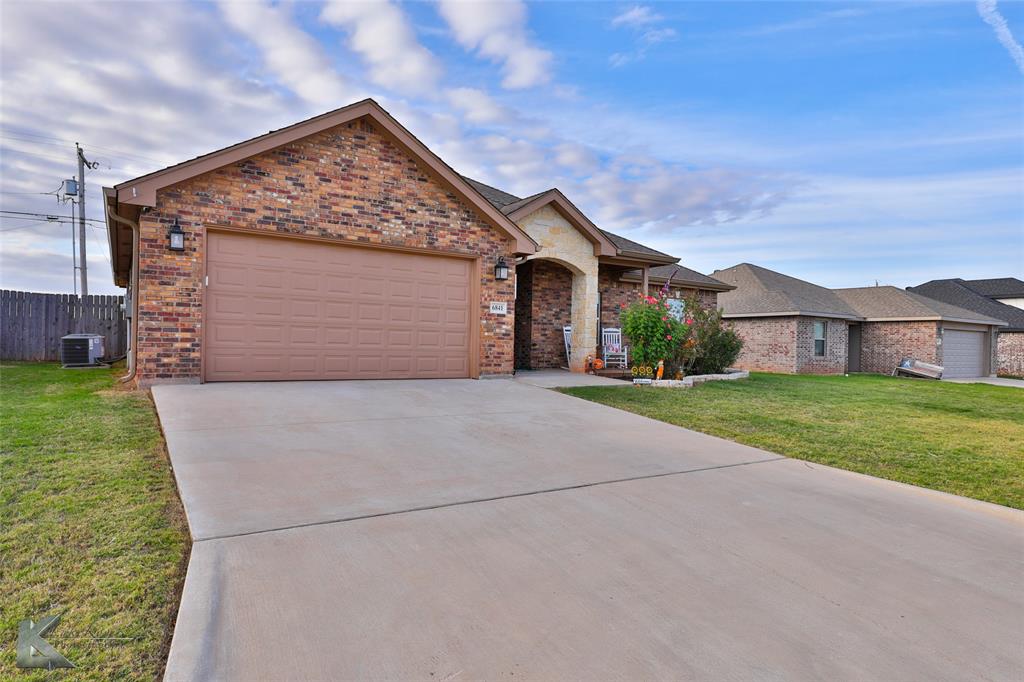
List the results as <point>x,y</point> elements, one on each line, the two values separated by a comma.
<point>709,346</point>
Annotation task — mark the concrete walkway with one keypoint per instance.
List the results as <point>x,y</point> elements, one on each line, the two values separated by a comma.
<point>560,378</point>
<point>994,381</point>
<point>482,529</point>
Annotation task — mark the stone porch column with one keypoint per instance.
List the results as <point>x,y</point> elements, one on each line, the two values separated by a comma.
<point>584,317</point>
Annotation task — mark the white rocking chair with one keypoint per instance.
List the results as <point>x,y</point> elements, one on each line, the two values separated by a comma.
<point>612,349</point>
<point>567,336</point>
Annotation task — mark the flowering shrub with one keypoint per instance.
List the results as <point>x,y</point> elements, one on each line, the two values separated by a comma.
<point>653,333</point>
<point>697,344</point>
<point>710,346</point>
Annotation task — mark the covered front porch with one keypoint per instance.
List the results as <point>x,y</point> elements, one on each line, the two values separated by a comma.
<point>574,280</point>
<point>552,295</point>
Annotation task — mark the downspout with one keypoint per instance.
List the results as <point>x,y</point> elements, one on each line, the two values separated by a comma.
<point>133,333</point>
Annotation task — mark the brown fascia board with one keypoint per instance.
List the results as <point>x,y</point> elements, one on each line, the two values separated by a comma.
<point>120,245</point>
<point>602,245</point>
<point>142,191</point>
<point>687,283</point>
<point>939,318</point>
<point>797,313</point>
<point>634,257</point>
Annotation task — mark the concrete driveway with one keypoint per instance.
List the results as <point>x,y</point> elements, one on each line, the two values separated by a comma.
<point>484,529</point>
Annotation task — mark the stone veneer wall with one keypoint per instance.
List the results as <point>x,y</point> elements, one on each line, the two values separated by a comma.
<point>836,345</point>
<point>350,183</point>
<point>550,310</point>
<point>562,243</point>
<point>769,343</point>
<point>884,344</point>
<point>1010,353</point>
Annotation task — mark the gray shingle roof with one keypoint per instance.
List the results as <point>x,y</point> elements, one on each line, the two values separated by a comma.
<point>630,246</point>
<point>680,275</point>
<point>494,195</point>
<point>956,292</point>
<point>1000,287</point>
<point>891,303</point>
<point>763,292</point>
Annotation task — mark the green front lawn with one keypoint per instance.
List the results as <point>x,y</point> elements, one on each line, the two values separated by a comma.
<point>966,439</point>
<point>90,522</point>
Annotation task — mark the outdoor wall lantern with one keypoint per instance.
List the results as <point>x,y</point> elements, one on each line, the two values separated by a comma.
<point>176,237</point>
<point>501,269</point>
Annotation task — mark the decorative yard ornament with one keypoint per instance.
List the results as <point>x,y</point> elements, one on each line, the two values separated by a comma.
<point>32,651</point>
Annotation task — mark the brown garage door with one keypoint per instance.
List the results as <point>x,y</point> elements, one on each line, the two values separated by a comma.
<point>292,309</point>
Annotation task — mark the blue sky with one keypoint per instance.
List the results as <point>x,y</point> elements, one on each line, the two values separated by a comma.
<point>844,143</point>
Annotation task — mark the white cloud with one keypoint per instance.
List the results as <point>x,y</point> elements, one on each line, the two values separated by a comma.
<point>188,95</point>
<point>294,58</point>
<point>811,22</point>
<point>637,15</point>
<point>478,107</point>
<point>497,30</point>
<point>578,158</point>
<point>988,11</point>
<point>382,35</point>
<point>647,26</point>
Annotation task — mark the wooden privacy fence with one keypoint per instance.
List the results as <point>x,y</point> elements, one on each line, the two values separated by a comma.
<point>31,325</point>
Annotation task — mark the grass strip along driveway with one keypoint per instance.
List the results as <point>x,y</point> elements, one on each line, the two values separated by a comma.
<point>966,439</point>
<point>90,524</point>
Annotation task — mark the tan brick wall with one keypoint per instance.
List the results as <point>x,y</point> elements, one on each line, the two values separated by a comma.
<point>769,343</point>
<point>834,360</point>
<point>884,344</point>
<point>350,183</point>
<point>1010,353</point>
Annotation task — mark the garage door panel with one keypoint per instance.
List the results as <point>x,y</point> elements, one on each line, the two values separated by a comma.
<point>344,285</point>
<point>229,333</point>
<point>286,309</point>
<point>304,282</point>
<point>338,337</point>
<point>963,353</point>
<point>338,311</point>
<point>265,333</point>
<point>263,307</point>
<point>231,276</point>
<point>427,339</point>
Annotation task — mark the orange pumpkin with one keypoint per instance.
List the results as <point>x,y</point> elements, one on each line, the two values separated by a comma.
<point>598,363</point>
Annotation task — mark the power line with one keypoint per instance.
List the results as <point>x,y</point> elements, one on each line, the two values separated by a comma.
<point>37,155</point>
<point>47,216</point>
<point>117,152</point>
<point>31,225</point>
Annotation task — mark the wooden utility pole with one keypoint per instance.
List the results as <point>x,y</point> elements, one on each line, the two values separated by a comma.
<point>83,163</point>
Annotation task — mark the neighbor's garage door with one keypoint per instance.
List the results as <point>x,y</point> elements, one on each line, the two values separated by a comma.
<point>291,309</point>
<point>963,353</point>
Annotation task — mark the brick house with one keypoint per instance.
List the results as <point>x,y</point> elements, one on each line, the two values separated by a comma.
<point>789,325</point>
<point>1001,298</point>
<point>341,247</point>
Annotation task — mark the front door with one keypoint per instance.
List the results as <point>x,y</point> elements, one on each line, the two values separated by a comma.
<point>853,352</point>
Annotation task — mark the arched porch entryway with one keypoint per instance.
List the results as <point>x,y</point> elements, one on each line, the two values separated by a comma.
<point>550,294</point>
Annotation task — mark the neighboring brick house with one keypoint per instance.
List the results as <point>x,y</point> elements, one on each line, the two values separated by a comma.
<point>898,324</point>
<point>793,326</point>
<point>787,325</point>
<point>1000,298</point>
<point>341,247</point>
